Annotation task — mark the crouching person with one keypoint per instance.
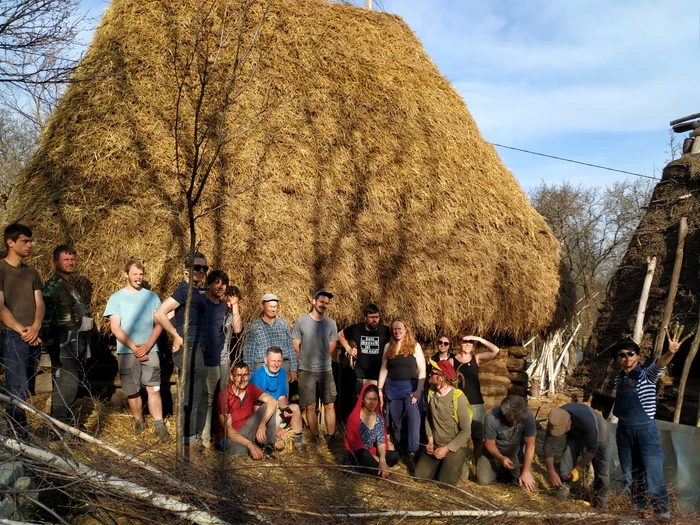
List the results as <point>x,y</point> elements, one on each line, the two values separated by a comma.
<point>244,430</point>
<point>448,426</point>
<point>271,378</point>
<point>506,428</point>
<point>586,434</point>
<point>366,438</point>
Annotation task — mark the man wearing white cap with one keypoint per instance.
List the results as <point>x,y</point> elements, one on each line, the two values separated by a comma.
<point>585,429</point>
<point>267,331</point>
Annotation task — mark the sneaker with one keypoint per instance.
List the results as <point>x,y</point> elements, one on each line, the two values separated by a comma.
<point>663,515</point>
<point>268,451</point>
<point>299,450</point>
<point>162,433</point>
<point>331,440</point>
<point>139,427</point>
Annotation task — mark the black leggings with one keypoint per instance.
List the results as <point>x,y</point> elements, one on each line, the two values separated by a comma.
<point>366,464</point>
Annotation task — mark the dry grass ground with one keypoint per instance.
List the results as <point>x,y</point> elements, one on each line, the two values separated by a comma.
<point>288,489</point>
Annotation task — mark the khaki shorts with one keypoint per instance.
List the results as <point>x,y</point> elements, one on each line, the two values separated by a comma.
<point>135,374</point>
<point>307,387</point>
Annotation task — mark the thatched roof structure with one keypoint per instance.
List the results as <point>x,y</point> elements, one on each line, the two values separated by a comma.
<point>674,197</point>
<point>376,183</point>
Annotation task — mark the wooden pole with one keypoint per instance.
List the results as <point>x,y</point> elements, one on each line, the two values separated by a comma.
<point>641,311</point>
<point>673,289</point>
<point>369,4</point>
<point>684,376</point>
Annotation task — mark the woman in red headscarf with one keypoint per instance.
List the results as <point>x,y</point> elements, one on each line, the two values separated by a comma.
<point>365,436</point>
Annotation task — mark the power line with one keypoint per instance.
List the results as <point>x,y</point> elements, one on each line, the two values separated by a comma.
<point>576,162</point>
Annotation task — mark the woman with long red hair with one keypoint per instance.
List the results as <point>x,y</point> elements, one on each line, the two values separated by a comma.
<point>403,375</point>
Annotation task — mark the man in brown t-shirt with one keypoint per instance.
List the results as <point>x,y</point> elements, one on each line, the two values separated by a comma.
<point>21,313</point>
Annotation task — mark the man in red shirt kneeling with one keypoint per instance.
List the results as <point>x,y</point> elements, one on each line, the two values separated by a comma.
<point>243,429</point>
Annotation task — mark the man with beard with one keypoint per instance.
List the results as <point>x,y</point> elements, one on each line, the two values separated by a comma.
<point>448,426</point>
<point>194,384</point>
<point>131,317</point>
<point>66,335</point>
<point>21,313</point>
<point>370,339</point>
<point>242,428</point>
<point>315,336</point>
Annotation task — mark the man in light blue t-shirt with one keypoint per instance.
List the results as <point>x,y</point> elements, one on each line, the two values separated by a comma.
<point>130,313</point>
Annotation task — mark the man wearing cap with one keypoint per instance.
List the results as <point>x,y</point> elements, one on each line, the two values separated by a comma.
<point>370,339</point>
<point>638,445</point>
<point>585,429</point>
<point>315,336</point>
<point>268,331</point>
<point>448,426</point>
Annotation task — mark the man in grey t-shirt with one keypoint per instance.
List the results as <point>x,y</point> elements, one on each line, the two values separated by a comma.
<point>506,427</point>
<point>314,337</point>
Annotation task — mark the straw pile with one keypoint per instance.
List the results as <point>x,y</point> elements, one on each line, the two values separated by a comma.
<point>375,181</point>
<point>674,197</point>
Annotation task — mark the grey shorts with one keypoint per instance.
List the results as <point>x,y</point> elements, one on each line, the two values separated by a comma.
<point>478,416</point>
<point>307,387</point>
<point>134,374</point>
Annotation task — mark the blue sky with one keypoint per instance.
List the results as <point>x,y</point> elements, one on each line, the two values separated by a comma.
<point>594,80</point>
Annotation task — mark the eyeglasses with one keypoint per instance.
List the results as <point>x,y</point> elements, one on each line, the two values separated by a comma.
<point>200,268</point>
<point>630,353</point>
<point>443,343</point>
<point>467,341</point>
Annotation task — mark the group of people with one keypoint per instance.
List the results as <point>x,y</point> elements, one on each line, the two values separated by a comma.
<point>253,409</point>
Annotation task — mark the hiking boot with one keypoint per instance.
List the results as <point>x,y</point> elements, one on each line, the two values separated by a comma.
<point>268,451</point>
<point>331,441</point>
<point>139,427</point>
<point>162,433</point>
<point>411,462</point>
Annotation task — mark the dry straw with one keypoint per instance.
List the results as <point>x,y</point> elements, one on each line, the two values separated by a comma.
<point>376,183</point>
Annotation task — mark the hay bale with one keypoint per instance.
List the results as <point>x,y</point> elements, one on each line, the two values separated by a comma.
<point>519,378</point>
<point>515,364</point>
<point>376,182</point>
<point>517,351</point>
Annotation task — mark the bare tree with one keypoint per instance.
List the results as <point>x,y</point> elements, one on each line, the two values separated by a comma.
<point>214,62</point>
<point>594,226</point>
<point>17,142</point>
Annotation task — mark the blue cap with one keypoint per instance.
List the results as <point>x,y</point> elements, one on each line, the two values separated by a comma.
<point>323,292</point>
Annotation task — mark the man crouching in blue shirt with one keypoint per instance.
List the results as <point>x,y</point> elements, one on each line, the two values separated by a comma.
<point>271,378</point>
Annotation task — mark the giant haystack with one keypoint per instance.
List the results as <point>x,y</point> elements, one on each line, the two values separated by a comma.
<point>674,197</point>
<point>376,183</point>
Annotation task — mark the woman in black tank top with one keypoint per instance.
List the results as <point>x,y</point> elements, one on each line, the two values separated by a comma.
<point>467,365</point>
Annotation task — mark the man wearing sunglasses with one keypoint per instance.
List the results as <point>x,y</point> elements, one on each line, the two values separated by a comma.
<point>638,445</point>
<point>195,382</point>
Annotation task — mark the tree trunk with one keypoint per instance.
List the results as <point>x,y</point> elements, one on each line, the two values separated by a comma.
<point>673,289</point>
<point>641,311</point>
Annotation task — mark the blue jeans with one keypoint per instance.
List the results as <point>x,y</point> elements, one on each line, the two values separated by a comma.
<point>15,357</point>
<point>642,461</point>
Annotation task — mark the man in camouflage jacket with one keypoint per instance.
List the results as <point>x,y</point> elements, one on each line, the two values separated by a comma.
<point>64,333</point>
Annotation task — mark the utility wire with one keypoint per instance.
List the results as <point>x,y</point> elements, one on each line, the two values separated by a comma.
<point>576,162</point>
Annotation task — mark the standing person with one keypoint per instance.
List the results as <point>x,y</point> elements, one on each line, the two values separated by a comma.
<point>403,375</point>
<point>443,350</point>
<point>131,313</point>
<point>266,331</point>
<point>467,365</point>
<point>216,352</point>
<point>447,424</point>
<point>21,314</point>
<point>272,379</point>
<point>506,428</point>
<point>315,336</point>
<point>242,428</point>
<point>370,337</point>
<point>194,385</point>
<point>366,443</point>
<point>65,333</point>
<point>585,429</point>
<point>638,445</point>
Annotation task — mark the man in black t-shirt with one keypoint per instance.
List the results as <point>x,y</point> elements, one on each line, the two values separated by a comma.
<point>370,338</point>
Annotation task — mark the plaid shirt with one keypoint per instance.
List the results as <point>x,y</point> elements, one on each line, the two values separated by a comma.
<point>260,336</point>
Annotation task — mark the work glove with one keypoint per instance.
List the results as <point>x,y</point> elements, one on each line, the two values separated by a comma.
<point>575,474</point>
